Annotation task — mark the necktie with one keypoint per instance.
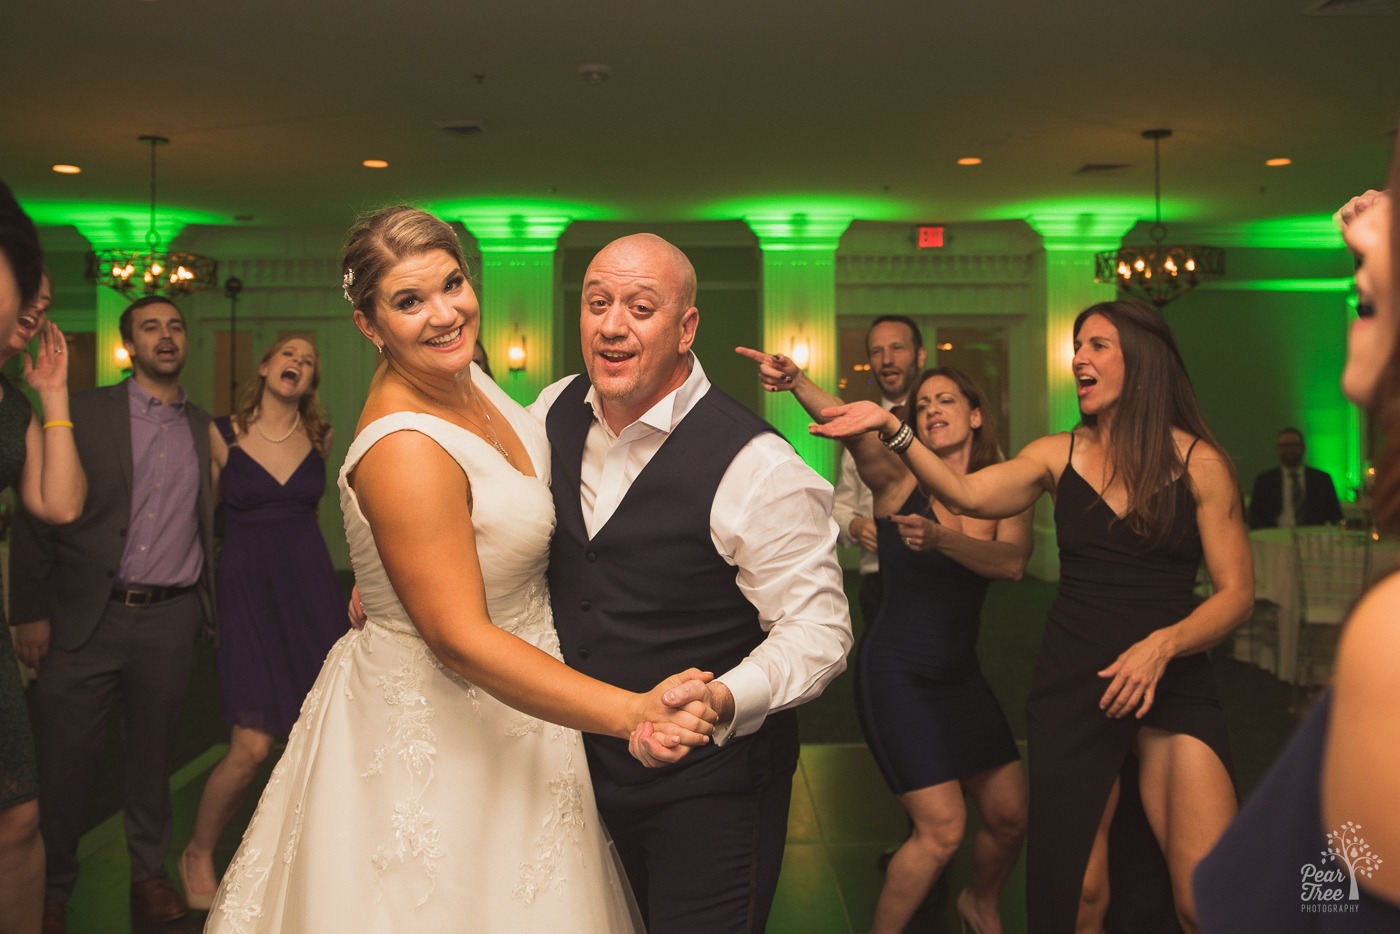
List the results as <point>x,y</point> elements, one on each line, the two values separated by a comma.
<point>1295,496</point>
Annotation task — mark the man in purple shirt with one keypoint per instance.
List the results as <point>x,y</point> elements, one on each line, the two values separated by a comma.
<point>115,600</point>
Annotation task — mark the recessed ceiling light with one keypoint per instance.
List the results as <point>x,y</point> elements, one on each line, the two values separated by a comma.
<point>64,168</point>
<point>1278,161</point>
<point>375,164</point>
<point>969,160</point>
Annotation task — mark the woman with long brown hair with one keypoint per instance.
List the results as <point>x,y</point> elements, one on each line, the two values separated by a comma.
<point>279,600</point>
<point>1122,689</point>
<point>1314,848</point>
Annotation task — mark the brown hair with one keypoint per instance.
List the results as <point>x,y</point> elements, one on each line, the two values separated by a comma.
<point>985,449</point>
<point>318,428</point>
<point>1385,405</point>
<point>384,238</point>
<point>1157,397</point>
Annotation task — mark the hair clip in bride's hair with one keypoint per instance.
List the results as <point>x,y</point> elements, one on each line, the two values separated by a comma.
<point>345,283</point>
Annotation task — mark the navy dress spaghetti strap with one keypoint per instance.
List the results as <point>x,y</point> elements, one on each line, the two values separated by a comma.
<point>1114,591</point>
<point>281,606</point>
<point>927,712</point>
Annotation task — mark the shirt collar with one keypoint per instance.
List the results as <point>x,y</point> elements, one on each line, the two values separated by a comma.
<point>143,401</point>
<point>669,410</point>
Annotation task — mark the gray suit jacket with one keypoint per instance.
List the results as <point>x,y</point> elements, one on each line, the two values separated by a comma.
<point>65,574</point>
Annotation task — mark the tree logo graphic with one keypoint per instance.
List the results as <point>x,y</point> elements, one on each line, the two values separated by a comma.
<point>1345,846</point>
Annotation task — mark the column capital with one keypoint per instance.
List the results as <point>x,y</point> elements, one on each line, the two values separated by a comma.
<point>792,232</point>
<point>516,232</point>
<point>1085,232</point>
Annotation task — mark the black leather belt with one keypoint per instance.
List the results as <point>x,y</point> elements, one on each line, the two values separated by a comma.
<point>146,596</point>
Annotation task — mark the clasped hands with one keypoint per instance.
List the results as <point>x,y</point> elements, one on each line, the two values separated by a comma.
<point>678,715</point>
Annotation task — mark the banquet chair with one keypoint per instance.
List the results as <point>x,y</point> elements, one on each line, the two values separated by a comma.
<point>1332,569</point>
<point>1259,635</point>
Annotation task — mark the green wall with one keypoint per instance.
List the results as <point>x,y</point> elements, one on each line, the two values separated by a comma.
<point>1263,360</point>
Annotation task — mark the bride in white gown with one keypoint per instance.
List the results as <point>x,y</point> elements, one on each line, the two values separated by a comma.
<point>427,784</point>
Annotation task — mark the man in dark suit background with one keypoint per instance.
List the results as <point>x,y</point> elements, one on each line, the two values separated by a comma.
<point>112,604</point>
<point>1293,494</point>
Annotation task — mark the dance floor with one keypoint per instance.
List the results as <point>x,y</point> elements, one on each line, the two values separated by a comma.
<point>842,816</point>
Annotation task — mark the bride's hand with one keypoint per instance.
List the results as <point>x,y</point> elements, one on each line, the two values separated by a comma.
<point>847,421</point>
<point>665,731</point>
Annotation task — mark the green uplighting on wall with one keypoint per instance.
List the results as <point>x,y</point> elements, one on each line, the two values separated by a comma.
<point>1331,284</point>
<point>870,209</point>
<point>523,208</point>
<point>1311,232</point>
<point>1088,206</point>
<point>117,223</point>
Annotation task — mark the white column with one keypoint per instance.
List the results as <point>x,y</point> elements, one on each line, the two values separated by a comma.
<point>799,308</point>
<point>518,296</point>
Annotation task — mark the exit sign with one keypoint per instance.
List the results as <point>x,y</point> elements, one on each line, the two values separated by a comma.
<point>930,238</point>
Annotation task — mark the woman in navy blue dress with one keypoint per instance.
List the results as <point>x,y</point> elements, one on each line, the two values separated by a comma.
<point>929,717</point>
<point>1317,845</point>
<point>280,604</point>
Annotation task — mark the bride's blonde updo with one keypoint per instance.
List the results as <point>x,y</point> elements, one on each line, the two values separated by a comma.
<point>388,236</point>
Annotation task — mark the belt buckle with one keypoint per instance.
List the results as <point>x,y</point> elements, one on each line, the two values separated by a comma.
<point>138,598</point>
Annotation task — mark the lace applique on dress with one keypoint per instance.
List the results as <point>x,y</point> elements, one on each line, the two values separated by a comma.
<point>241,892</point>
<point>565,823</point>
<point>417,838</point>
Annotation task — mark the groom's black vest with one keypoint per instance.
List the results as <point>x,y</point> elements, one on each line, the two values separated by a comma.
<point>648,596</point>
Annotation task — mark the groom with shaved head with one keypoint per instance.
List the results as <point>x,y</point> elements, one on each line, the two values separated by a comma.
<point>689,534</point>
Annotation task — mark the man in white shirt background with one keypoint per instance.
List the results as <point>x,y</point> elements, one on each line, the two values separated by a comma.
<point>897,356</point>
<point>688,529</point>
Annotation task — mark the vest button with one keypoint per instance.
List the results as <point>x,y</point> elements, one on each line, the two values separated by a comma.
<point>591,555</point>
<point>584,653</point>
<point>585,606</point>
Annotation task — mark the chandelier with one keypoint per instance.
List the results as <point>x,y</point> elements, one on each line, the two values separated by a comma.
<point>1157,272</point>
<point>152,271</point>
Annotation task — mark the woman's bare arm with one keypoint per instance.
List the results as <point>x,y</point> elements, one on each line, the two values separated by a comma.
<point>428,548</point>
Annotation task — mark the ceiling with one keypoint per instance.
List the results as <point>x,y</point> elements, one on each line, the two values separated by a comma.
<point>714,108</point>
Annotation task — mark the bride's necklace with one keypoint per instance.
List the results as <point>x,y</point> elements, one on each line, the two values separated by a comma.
<point>290,431</point>
<point>486,432</point>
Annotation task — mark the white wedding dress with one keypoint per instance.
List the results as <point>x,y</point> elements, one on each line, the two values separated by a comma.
<point>409,800</point>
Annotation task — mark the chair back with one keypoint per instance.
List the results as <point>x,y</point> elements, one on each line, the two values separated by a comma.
<point>1332,569</point>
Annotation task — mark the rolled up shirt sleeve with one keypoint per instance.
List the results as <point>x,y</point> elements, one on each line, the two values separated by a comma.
<point>771,519</point>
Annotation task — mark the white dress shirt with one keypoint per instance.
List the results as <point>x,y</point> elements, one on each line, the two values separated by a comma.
<point>771,519</point>
<point>853,498</point>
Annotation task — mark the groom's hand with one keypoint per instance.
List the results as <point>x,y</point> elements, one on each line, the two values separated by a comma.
<point>713,694</point>
<point>357,609</point>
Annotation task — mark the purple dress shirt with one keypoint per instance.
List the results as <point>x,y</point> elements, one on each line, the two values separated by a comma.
<point>162,541</point>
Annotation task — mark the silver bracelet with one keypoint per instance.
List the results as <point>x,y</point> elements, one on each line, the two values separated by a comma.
<point>899,441</point>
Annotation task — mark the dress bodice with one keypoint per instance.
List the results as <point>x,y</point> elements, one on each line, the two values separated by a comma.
<point>248,492</point>
<point>512,518</point>
<point>1104,563</point>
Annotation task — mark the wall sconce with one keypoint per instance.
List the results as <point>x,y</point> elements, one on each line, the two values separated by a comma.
<point>123,358</point>
<point>800,352</point>
<point>515,354</point>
